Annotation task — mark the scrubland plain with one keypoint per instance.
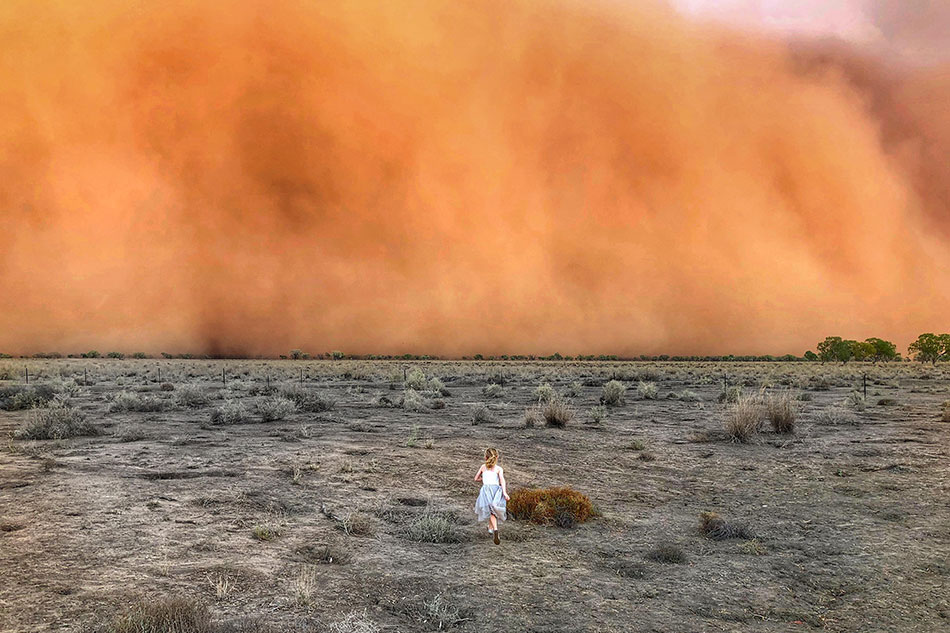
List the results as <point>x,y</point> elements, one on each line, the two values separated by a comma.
<point>265,496</point>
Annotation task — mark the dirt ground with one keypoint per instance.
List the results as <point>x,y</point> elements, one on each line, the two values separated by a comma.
<point>850,513</point>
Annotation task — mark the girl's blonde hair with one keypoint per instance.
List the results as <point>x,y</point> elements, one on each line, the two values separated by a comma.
<point>491,458</point>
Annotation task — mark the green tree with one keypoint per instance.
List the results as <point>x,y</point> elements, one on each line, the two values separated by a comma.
<point>810,355</point>
<point>883,350</point>
<point>834,348</point>
<point>861,350</point>
<point>930,347</point>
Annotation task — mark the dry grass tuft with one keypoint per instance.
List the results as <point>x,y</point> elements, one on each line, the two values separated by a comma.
<point>744,418</point>
<point>714,527</point>
<point>358,524</point>
<point>481,414</point>
<point>782,411</point>
<point>667,553</point>
<point>563,507</point>
<point>164,615</point>
<point>434,527</point>
<point>191,396</point>
<point>353,622</point>
<point>647,390</point>
<point>557,413</point>
<point>945,411</point>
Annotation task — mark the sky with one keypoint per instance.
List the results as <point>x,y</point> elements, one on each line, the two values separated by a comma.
<point>494,177</point>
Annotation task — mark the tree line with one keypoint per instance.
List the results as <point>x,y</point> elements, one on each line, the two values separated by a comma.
<point>928,348</point>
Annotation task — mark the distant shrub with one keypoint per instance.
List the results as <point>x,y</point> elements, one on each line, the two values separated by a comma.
<point>688,396</point>
<point>129,401</point>
<point>56,423</point>
<point>744,418</point>
<point>275,408</point>
<point>117,355</point>
<point>856,401</point>
<point>614,393</point>
<point>437,387</point>
<point>714,527</point>
<point>597,414</point>
<point>647,390</point>
<point>7,372</point>
<point>836,416</point>
<point>412,400</point>
<point>668,553</point>
<point>481,414</point>
<point>191,396</point>
<point>230,412</point>
<point>545,393</point>
<point>492,390</point>
<point>782,412</point>
<point>307,400</point>
<point>434,527</point>
<point>557,412</point>
<point>416,379</point>
<point>563,507</point>
<point>574,390</point>
<point>164,615</point>
<point>729,393</point>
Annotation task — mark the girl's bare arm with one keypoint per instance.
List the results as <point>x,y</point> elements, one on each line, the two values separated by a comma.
<point>504,484</point>
<point>478,475</point>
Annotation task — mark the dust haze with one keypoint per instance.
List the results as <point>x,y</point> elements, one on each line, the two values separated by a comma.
<point>452,178</point>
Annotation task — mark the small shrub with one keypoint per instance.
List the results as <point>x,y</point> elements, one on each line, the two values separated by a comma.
<point>945,411</point>
<point>129,401</point>
<point>481,414</point>
<point>436,613</point>
<point>191,397</point>
<point>856,401</point>
<point>57,423</point>
<point>557,413</point>
<point>164,615</point>
<point>667,553</point>
<point>358,524</point>
<point>782,412</point>
<point>438,388</point>
<point>614,393</point>
<point>562,506</point>
<point>647,390</point>
<point>167,386</point>
<point>492,390</point>
<point>353,622</point>
<point>714,527</point>
<point>744,418</point>
<point>433,528</point>
<point>597,414</point>
<point>230,412</point>
<point>688,396</point>
<point>275,408</point>
<point>413,436</point>
<point>886,402</point>
<point>574,390</point>
<point>545,393</point>
<point>266,531</point>
<point>23,398</point>
<point>412,400</point>
<point>415,379</point>
<point>730,393</point>
<point>308,400</point>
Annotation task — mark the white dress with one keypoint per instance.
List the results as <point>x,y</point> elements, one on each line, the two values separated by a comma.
<point>491,499</point>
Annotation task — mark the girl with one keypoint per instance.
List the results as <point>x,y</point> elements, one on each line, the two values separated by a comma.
<point>494,493</point>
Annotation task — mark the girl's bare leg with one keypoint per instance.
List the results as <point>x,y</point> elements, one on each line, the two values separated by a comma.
<point>492,522</point>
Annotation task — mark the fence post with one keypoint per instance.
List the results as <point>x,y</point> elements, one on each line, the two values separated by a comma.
<point>27,375</point>
<point>85,378</point>
<point>865,386</point>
